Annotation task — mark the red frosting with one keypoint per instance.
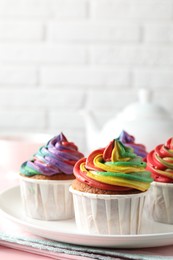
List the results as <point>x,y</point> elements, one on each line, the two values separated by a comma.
<point>160,162</point>
<point>82,177</point>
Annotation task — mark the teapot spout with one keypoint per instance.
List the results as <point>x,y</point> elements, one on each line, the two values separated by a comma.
<point>91,130</point>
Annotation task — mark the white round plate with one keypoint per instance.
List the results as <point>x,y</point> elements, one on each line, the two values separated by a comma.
<point>155,235</point>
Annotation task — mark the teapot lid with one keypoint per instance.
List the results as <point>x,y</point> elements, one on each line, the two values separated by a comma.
<point>144,108</point>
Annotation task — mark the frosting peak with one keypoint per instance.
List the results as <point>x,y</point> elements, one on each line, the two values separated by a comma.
<point>115,167</point>
<point>57,156</point>
<point>129,141</point>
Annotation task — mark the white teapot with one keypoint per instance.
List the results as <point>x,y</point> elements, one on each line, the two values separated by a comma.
<point>149,123</point>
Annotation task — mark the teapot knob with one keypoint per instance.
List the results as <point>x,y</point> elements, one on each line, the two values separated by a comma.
<point>145,95</point>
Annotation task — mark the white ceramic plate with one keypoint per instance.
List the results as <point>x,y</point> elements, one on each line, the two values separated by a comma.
<point>155,235</point>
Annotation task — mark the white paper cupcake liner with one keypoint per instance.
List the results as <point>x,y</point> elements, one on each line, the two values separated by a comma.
<point>108,214</point>
<point>159,204</point>
<point>46,199</point>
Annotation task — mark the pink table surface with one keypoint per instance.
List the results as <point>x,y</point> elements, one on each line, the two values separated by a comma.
<point>9,253</point>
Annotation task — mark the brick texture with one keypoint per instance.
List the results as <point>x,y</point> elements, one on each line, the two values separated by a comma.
<point>58,58</point>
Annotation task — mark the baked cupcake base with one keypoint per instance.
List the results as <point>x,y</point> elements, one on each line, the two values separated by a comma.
<point>46,199</point>
<point>80,186</point>
<point>108,214</point>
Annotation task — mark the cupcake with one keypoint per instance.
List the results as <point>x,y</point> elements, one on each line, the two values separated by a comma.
<point>129,140</point>
<point>109,190</point>
<point>45,180</point>
<point>160,163</point>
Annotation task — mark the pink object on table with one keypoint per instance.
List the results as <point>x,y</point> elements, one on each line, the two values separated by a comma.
<point>16,149</point>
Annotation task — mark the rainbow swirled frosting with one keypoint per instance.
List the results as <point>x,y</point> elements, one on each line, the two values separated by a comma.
<point>57,156</point>
<point>129,141</point>
<point>114,168</point>
<point>160,162</point>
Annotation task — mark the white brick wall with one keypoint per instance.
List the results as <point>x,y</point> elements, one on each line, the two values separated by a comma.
<point>132,10</point>
<point>84,77</point>
<point>22,31</point>
<point>41,53</point>
<point>59,56</point>
<point>88,32</point>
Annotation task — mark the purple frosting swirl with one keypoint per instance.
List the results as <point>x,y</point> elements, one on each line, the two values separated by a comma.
<point>57,156</point>
<point>129,141</point>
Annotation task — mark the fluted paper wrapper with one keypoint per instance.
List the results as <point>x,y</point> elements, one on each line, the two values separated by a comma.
<point>159,204</point>
<point>46,199</point>
<point>108,214</point>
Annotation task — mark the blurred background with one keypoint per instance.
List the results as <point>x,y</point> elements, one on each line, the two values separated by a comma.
<point>59,57</point>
